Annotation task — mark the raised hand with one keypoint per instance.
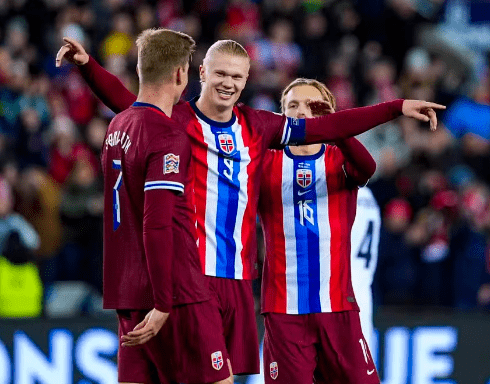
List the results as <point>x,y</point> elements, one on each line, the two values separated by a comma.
<point>422,110</point>
<point>73,52</point>
<point>145,330</point>
<point>320,108</point>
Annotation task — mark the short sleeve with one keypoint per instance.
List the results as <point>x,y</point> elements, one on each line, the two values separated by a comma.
<point>167,159</point>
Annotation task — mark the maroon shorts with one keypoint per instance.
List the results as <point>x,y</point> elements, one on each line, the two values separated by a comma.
<point>317,348</point>
<point>237,308</point>
<point>188,349</point>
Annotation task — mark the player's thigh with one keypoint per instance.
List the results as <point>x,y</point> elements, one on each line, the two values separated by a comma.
<point>343,354</point>
<point>289,349</point>
<point>135,364</point>
<point>199,351</point>
<point>237,308</point>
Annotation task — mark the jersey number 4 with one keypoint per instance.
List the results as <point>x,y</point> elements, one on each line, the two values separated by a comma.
<point>116,208</point>
<point>366,243</point>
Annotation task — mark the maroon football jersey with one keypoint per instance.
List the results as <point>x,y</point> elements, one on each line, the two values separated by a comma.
<point>146,153</point>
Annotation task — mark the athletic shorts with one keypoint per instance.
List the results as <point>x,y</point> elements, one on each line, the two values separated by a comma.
<point>317,348</point>
<point>188,349</point>
<point>237,308</point>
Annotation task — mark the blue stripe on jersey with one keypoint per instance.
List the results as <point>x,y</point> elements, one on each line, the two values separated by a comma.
<point>307,240</point>
<point>297,132</point>
<point>226,215</point>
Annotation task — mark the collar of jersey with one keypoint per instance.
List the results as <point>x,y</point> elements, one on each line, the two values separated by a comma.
<point>305,157</point>
<point>147,105</point>
<point>217,124</point>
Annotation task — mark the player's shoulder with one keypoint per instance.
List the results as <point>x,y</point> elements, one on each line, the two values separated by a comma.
<point>249,111</point>
<point>366,199</point>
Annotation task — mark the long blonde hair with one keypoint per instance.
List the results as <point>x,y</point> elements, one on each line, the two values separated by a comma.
<point>326,93</point>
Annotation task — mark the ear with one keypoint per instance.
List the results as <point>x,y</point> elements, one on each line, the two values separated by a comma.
<point>202,75</point>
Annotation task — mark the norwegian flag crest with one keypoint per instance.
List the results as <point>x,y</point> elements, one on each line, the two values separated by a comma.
<point>226,143</point>
<point>217,360</point>
<point>304,177</point>
<point>274,370</point>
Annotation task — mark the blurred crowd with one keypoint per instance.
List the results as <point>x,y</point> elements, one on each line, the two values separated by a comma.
<point>433,187</point>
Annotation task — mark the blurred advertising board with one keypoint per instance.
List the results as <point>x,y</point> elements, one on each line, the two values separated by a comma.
<point>432,346</point>
<point>81,351</point>
<point>411,347</point>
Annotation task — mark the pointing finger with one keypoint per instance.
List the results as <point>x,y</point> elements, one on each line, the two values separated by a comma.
<point>61,53</point>
<point>434,105</point>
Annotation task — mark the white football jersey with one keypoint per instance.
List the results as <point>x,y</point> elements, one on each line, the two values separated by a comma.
<point>364,256</point>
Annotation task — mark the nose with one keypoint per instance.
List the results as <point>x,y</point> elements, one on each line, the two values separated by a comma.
<point>227,81</point>
<point>302,110</point>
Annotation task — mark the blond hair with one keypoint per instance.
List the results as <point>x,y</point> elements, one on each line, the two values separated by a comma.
<point>229,47</point>
<point>326,93</point>
<point>160,51</point>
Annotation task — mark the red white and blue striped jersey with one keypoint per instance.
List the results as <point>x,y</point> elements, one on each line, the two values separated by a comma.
<point>307,209</point>
<point>227,165</point>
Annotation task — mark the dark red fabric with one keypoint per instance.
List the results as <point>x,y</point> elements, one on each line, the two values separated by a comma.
<point>320,348</point>
<point>236,304</point>
<point>359,164</point>
<point>180,352</point>
<point>138,268</point>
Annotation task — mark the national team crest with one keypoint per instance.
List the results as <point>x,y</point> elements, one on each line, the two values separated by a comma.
<point>217,360</point>
<point>226,143</point>
<point>304,177</point>
<point>274,370</point>
<point>171,163</point>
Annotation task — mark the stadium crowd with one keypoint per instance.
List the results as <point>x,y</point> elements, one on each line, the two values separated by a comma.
<point>433,188</point>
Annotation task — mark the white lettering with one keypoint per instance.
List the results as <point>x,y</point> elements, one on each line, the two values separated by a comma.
<point>431,346</point>
<point>90,346</point>
<point>5,367</point>
<point>116,138</point>
<point>229,172</point>
<point>396,356</point>
<point>306,212</point>
<point>33,367</point>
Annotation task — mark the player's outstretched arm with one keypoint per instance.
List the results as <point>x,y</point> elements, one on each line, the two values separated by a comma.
<point>350,122</point>
<point>107,87</point>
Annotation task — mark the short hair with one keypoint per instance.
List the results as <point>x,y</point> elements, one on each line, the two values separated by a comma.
<point>160,51</point>
<point>230,47</point>
<point>326,93</point>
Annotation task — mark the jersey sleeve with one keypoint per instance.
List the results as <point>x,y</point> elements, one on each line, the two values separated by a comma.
<point>336,126</point>
<point>107,87</point>
<point>358,165</point>
<point>167,157</point>
<point>167,161</point>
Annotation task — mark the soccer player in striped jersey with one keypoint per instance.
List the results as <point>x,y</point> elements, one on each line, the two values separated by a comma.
<point>307,207</point>
<point>229,141</point>
<point>364,257</point>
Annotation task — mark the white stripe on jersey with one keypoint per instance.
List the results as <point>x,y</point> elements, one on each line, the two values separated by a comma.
<point>242,198</point>
<point>211,201</point>
<point>289,222</point>
<point>286,133</point>
<point>163,184</point>
<point>324,233</point>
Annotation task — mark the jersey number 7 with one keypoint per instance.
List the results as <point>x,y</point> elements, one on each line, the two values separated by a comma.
<point>116,208</point>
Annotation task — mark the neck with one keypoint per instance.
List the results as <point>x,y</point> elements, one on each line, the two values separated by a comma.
<point>161,96</point>
<point>305,150</point>
<point>221,114</point>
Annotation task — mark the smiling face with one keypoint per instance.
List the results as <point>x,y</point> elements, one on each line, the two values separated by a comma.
<point>223,78</point>
<point>297,99</point>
